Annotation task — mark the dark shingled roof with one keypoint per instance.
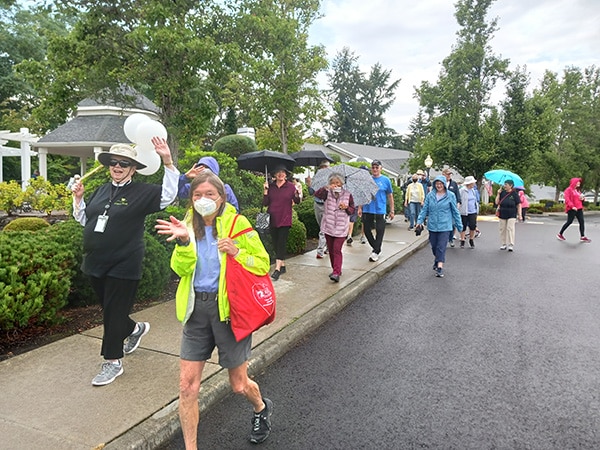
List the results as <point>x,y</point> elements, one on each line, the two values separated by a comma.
<point>83,133</point>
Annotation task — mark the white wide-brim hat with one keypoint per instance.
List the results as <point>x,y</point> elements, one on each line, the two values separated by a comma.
<point>470,180</point>
<point>124,150</point>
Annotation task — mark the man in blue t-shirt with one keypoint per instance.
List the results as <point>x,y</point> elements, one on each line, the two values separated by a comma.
<point>373,214</point>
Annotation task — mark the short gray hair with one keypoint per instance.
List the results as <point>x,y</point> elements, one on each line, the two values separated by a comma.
<point>336,176</point>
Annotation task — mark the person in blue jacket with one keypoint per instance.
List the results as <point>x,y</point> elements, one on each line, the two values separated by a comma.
<point>206,162</point>
<point>442,216</point>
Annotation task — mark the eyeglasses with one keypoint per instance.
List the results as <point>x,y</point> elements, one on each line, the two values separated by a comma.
<point>120,162</point>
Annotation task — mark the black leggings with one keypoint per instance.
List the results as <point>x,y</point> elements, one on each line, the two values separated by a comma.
<point>571,214</point>
<point>280,237</point>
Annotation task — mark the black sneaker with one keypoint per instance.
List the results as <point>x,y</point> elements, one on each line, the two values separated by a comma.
<point>349,241</point>
<point>275,275</point>
<point>261,423</point>
<point>462,244</point>
<point>471,243</point>
<point>133,340</point>
<point>282,270</point>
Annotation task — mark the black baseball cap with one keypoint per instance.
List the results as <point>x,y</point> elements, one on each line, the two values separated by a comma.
<point>376,162</point>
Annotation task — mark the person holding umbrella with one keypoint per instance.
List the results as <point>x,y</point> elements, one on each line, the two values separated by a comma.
<point>442,216</point>
<point>339,206</point>
<point>278,197</point>
<point>508,211</point>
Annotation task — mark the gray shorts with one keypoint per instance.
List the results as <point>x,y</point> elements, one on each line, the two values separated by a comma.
<point>203,331</point>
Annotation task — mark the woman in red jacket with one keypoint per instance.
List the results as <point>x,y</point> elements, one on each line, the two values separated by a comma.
<point>574,208</point>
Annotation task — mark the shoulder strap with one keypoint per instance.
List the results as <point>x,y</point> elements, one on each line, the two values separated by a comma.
<point>239,233</point>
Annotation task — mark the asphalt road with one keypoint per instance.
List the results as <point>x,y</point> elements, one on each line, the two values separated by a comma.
<point>502,353</point>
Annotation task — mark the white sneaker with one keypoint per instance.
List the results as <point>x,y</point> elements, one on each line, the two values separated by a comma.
<point>374,257</point>
<point>510,248</point>
<point>363,240</point>
<point>503,247</point>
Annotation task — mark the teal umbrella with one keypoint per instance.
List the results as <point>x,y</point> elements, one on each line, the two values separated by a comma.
<point>500,176</point>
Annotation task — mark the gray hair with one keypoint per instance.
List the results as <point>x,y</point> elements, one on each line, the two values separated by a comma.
<point>336,176</point>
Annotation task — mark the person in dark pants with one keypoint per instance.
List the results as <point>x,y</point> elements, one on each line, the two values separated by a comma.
<point>113,245</point>
<point>451,186</point>
<point>278,198</point>
<point>574,208</point>
<point>443,216</point>
<point>373,213</point>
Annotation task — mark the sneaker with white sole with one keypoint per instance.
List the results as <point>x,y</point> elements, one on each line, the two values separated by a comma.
<point>560,237</point>
<point>133,340</point>
<point>108,373</point>
<point>374,257</point>
<point>261,423</point>
<point>510,248</point>
<point>363,240</point>
<point>439,272</point>
<point>503,247</point>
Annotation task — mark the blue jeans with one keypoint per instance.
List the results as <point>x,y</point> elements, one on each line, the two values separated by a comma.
<point>438,241</point>
<point>414,211</point>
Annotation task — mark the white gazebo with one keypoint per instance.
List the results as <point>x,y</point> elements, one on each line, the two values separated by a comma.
<point>97,125</point>
<point>25,139</point>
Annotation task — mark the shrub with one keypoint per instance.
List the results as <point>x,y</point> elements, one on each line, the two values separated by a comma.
<point>306,214</point>
<point>296,242</point>
<point>487,208</point>
<point>235,145</point>
<point>26,224</point>
<point>156,271</point>
<point>34,278</point>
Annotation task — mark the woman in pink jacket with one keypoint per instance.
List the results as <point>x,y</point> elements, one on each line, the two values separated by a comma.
<point>574,208</point>
<point>339,206</point>
<point>524,202</point>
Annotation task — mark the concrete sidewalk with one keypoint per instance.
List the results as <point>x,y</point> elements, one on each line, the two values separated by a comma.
<point>48,400</point>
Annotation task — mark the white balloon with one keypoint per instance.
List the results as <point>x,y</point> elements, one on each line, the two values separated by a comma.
<point>150,158</point>
<point>146,130</point>
<point>131,124</point>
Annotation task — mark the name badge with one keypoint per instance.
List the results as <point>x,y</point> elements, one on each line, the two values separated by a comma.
<point>101,224</point>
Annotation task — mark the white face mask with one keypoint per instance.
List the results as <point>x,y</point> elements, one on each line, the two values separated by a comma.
<point>337,190</point>
<point>205,206</point>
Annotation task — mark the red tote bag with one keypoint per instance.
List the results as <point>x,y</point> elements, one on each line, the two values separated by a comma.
<point>251,297</point>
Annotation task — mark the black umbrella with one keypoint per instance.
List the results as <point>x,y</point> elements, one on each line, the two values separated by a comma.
<point>265,161</point>
<point>310,157</point>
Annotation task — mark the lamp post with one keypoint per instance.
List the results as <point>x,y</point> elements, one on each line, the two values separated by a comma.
<point>428,164</point>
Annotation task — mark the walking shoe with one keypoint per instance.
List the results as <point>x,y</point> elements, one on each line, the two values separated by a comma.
<point>510,248</point>
<point>275,275</point>
<point>452,243</point>
<point>435,266</point>
<point>334,277</point>
<point>477,233</point>
<point>439,272</point>
<point>319,256</point>
<point>560,237</point>
<point>261,423</point>
<point>374,257</point>
<point>108,373</point>
<point>133,340</point>
<point>462,244</point>
<point>349,241</point>
<point>503,247</point>
<point>282,270</point>
<point>471,243</point>
<point>585,239</point>
<point>363,240</point>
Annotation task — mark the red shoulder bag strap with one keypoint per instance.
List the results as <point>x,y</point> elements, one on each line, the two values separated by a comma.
<point>239,233</point>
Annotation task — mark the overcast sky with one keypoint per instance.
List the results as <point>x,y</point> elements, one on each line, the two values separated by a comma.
<point>411,38</point>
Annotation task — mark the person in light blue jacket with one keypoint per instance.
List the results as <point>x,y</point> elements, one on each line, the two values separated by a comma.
<point>442,216</point>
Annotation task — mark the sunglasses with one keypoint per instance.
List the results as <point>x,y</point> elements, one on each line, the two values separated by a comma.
<point>120,162</point>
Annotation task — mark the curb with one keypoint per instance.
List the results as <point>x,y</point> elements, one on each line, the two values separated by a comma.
<point>160,428</point>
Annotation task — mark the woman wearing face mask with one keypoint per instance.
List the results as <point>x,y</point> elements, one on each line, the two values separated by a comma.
<point>113,244</point>
<point>339,206</point>
<point>278,198</point>
<point>202,303</point>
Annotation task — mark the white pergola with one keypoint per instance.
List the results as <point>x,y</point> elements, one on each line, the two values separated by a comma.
<point>25,139</point>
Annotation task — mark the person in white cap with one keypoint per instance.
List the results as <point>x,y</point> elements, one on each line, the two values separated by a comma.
<point>113,245</point>
<point>469,209</point>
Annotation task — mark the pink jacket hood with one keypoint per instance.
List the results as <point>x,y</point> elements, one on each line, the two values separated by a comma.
<point>573,195</point>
